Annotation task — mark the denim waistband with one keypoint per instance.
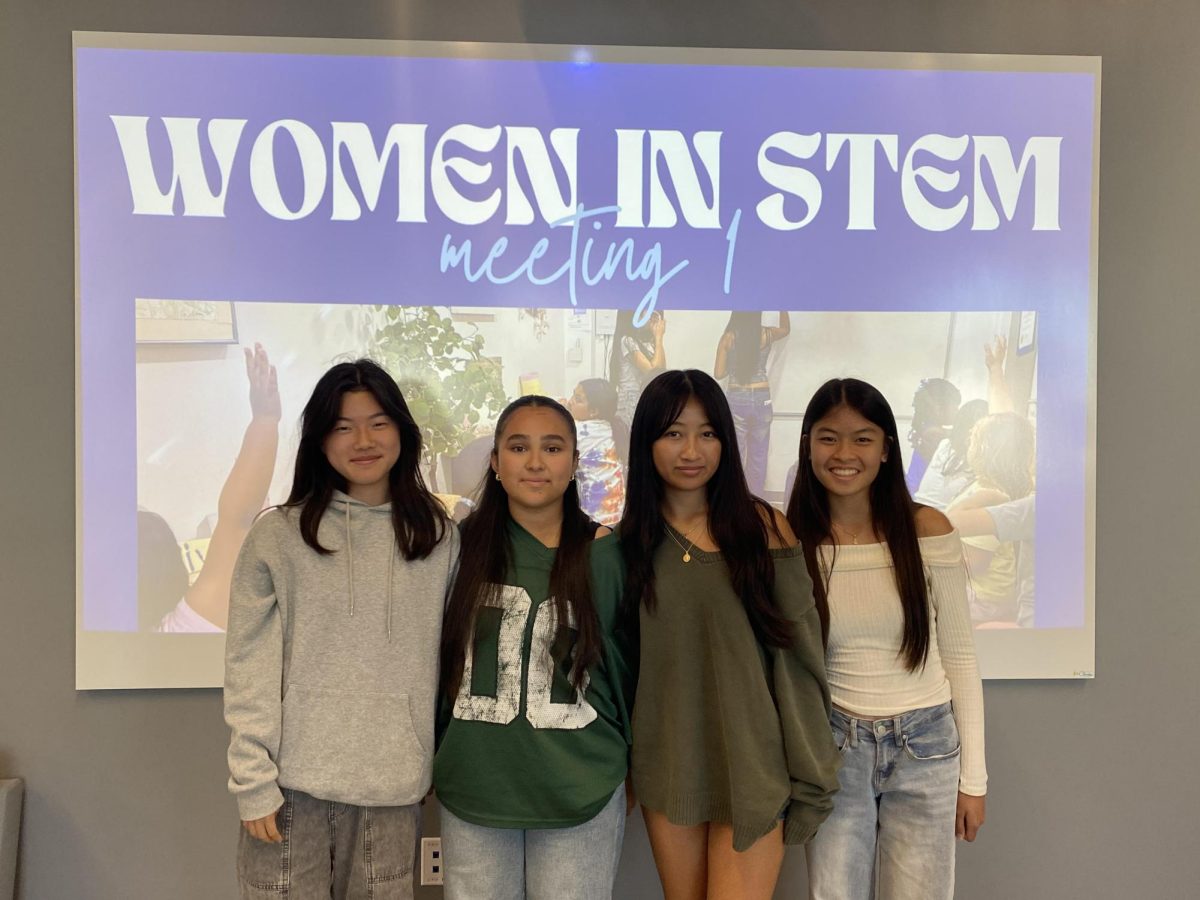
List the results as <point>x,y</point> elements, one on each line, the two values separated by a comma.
<point>893,726</point>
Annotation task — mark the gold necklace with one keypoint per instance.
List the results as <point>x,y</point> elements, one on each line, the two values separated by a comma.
<point>687,551</point>
<point>844,530</point>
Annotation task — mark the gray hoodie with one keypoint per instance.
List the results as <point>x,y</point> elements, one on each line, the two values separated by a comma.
<point>331,661</point>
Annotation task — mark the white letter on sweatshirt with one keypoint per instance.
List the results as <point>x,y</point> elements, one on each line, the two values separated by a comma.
<point>1045,152</point>
<point>920,210</point>
<point>264,180</point>
<point>409,143</point>
<point>453,204</point>
<point>792,179</point>
<point>187,168</point>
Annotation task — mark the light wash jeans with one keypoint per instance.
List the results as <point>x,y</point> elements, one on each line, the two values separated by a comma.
<point>891,834</point>
<point>332,850</point>
<point>578,863</point>
<point>752,416</point>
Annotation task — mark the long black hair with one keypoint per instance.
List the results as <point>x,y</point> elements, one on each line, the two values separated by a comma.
<point>893,513</point>
<point>737,520</point>
<point>487,560</point>
<point>418,519</point>
<point>746,328</point>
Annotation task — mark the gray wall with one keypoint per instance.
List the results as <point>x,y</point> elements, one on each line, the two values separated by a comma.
<point>1093,783</point>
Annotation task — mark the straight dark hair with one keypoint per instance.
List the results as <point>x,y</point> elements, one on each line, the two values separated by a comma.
<point>737,520</point>
<point>418,518</point>
<point>487,552</point>
<point>746,328</point>
<point>893,513</point>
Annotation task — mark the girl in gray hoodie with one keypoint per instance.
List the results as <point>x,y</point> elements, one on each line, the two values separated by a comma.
<point>331,667</point>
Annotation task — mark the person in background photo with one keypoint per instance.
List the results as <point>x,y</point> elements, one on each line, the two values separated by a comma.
<point>603,447</point>
<point>165,601</point>
<point>935,404</point>
<point>536,681</point>
<point>891,590</point>
<point>948,473</point>
<point>742,354</point>
<point>331,660</point>
<point>732,757</point>
<point>1007,522</point>
<point>637,356</point>
<point>1001,455</point>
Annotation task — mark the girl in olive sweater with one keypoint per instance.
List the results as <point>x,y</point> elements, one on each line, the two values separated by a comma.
<point>732,756</point>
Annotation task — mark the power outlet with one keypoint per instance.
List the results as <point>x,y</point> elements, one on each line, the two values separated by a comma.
<point>431,860</point>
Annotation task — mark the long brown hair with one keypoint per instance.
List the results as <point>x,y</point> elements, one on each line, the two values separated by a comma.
<point>893,513</point>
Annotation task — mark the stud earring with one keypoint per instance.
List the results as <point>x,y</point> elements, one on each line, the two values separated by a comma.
<point>497,476</point>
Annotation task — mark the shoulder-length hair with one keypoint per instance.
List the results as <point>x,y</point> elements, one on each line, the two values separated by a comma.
<point>602,397</point>
<point>418,519</point>
<point>737,520</point>
<point>960,435</point>
<point>623,329</point>
<point>892,513</point>
<point>487,556</point>
<point>1001,453</point>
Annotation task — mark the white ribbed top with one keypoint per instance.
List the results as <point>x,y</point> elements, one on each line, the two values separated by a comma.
<point>866,673</point>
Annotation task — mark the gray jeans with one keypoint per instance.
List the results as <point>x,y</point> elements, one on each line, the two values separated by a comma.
<point>332,850</point>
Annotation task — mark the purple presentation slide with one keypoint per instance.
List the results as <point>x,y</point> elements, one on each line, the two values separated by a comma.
<point>909,224</point>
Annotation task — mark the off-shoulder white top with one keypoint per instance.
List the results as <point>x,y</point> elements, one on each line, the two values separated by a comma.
<point>866,672</point>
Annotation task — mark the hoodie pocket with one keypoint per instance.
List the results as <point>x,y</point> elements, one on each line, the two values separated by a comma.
<point>352,747</point>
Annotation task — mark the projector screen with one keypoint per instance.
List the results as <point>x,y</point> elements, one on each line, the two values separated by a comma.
<point>492,220</point>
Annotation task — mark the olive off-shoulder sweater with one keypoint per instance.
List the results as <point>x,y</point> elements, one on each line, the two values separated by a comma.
<point>725,729</point>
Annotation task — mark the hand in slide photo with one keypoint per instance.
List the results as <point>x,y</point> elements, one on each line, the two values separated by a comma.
<point>264,385</point>
<point>242,498</point>
<point>995,352</point>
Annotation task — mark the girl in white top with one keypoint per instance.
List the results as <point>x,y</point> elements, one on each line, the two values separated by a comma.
<point>890,586</point>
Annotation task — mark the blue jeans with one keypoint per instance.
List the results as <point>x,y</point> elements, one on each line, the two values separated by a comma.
<point>484,863</point>
<point>752,415</point>
<point>332,850</point>
<point>891,834</point>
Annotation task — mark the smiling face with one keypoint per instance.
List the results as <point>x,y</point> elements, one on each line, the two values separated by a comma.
<point>362,447</point>
<point>535,459</point>
<point>687,454</point>
<point>846,452</point>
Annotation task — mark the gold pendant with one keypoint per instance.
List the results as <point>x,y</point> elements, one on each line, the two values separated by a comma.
<point>687,557</point>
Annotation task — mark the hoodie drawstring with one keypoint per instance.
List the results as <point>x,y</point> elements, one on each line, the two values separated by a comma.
<point>349,561</point>
<point>391,560</point>
<point>350,575</point>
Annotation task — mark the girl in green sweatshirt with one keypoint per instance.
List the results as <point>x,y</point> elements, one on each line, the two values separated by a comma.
<point>532,757</point>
